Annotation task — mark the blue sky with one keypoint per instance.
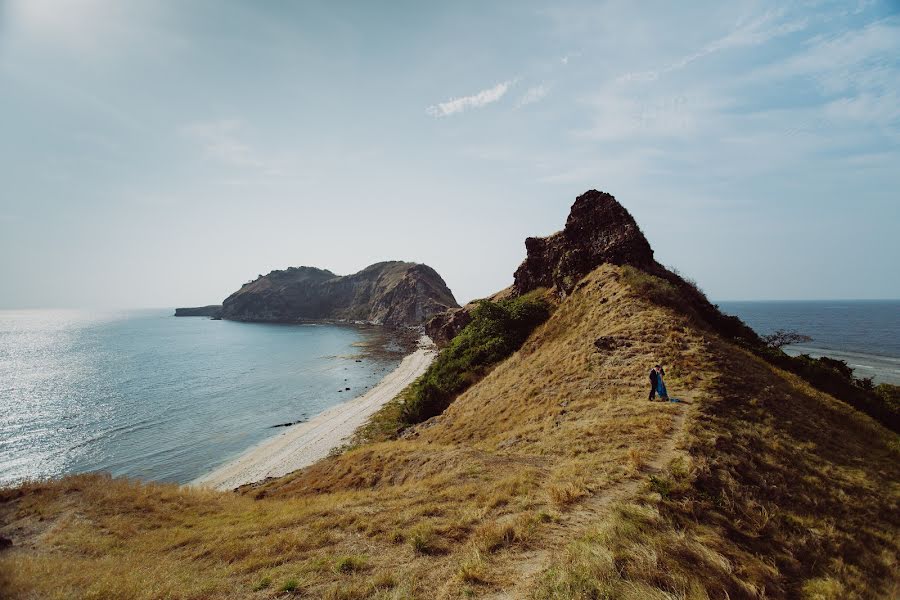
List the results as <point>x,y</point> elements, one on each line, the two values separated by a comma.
<point>162,153</point>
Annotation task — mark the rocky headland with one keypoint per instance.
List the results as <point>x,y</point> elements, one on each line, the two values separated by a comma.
<point>391,293</point>
<point>213,310</point>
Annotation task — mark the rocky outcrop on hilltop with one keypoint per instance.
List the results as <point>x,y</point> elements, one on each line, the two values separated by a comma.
<point>389,293</point>
<point>599,230</point>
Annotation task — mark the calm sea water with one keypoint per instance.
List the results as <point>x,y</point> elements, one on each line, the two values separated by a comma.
<point>148,395</point>
<point>864,333</point>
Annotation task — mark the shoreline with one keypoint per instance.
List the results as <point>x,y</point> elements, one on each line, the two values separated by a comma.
<point>303,444</point>
<point>881,367</point>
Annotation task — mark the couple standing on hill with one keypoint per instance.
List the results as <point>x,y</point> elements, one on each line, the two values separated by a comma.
<point>657,384</point>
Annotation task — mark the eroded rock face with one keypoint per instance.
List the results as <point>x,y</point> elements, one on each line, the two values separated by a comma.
<point>390,293</point>
<point>599,230</point>
<point>444,326</point>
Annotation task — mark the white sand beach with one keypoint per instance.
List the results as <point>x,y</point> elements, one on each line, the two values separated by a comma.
<point>305,443</point>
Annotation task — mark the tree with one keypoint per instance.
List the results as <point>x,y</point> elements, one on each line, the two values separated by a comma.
<point>785,337</point>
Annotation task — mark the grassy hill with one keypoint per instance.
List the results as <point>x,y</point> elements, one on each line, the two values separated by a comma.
<point>545,474</point>
<point>552,477</point>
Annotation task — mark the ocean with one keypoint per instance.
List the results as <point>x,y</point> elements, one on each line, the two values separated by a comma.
<point>144,394</point>
<point>863,333</point>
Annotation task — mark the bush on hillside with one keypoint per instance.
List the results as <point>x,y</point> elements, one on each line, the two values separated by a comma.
<point>889,395</point>
<point>785,337</point>
<point>497,330</point>
<point>671,290</point>
<point>835,377</point>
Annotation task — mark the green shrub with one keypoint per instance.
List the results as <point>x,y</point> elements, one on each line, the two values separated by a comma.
<point>685,296</point>
<point>497,330</point>
<point>889,395</point>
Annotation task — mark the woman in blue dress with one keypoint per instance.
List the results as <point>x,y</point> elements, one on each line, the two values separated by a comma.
<point>661,384</point>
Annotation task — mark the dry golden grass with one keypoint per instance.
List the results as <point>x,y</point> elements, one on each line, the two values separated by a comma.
<point>781,490</point>
<point>787,493</point>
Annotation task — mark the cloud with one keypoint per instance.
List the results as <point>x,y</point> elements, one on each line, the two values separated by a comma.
<point>534,94</point>
<point>754,33</point>
<point>482,98</point>
<point>844,60</point>
<point>565,59</point>
<point>221,140</point>
<point>618,113</point>
<point>856,71</point>
<point>876,109</point>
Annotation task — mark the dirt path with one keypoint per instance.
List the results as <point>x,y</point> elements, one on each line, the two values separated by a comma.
<point>528,564</point>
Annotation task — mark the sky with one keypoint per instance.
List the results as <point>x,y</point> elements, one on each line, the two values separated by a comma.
<point>162,153</point>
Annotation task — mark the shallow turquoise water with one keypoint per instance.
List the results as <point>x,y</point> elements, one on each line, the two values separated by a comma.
<point>148,395</point>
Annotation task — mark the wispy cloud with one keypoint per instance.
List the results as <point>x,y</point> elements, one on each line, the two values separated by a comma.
<point>845,60</point>
<point>857,73</point>
<point>753,33</point>
<point>482,98</point>
<point>221,140</point>
<point>534,94</point>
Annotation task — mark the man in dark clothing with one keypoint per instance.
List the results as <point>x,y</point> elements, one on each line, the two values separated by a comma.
<point>654,381</point>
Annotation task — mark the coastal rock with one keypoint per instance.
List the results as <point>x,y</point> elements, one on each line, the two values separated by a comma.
<point>392,293</point>
<point>213,310</point>
<point>444,326</point>
<point>599,230</point>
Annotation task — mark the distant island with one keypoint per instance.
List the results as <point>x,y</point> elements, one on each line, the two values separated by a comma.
<point>390,293</point>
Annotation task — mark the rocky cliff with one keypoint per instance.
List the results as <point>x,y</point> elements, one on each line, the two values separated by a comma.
<point>598,230</point>
<point>390,293</point>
